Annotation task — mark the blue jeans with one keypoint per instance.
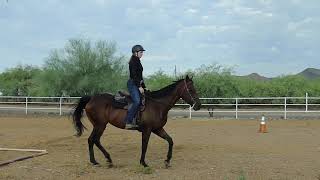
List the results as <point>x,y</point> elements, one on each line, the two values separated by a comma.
<point>135,97</point>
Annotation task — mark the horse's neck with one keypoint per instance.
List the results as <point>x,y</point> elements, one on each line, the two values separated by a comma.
<point>170,100</point>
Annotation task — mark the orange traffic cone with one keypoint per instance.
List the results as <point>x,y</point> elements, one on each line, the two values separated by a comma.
<point>263,125</point>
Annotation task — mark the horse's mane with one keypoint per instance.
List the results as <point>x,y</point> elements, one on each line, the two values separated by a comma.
<point>164,91</point>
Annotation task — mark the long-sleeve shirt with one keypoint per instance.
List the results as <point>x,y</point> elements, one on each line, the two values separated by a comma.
<point>135,68</point>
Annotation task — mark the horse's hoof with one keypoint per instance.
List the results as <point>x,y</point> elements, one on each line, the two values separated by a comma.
<point>95,164</point>
<point>144,165</point>
<point>167,164</point>
<point>110,165</point>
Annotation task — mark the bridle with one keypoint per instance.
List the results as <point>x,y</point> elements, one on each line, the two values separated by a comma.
<point>184,88</point>
<point>192,98</point>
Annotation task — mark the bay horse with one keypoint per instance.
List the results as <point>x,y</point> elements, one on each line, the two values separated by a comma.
<point>100,112</point>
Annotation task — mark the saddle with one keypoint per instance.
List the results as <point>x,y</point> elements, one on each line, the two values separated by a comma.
<point>122,100</point>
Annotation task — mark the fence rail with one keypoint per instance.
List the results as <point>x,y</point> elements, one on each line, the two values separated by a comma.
<point>283,105</point>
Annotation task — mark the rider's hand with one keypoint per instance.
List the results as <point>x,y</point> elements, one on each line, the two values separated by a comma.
<point>141,90</point>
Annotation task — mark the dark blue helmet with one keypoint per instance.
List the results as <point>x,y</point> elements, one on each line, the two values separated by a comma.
<point>137,48</point>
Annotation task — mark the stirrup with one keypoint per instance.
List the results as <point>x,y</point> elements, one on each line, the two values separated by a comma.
<point>131,126</point>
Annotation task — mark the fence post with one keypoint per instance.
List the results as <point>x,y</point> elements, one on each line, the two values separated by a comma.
<point>306,102</point>
<point>190,116</point>
<point>60,106</point>
<point>285,107</point>
<point>26,105</point>
<point>236,108</point>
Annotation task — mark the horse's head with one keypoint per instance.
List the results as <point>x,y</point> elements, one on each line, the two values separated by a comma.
<point>189,94</point>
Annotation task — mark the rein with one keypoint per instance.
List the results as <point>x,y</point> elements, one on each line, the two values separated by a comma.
<point>184,88</point>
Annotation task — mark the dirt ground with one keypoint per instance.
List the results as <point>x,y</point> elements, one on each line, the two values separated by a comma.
<point>203,149</point>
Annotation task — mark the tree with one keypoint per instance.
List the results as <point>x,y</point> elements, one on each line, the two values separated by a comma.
<point>82,68</point>
<point>18,81</point>
<point>158,80</point>
<point>215,81</point>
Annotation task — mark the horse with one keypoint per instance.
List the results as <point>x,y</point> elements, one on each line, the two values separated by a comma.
<point>100,112</point>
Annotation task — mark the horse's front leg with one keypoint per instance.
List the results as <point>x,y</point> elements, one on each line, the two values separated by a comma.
<point>163,134</point>
<point>146,131</point>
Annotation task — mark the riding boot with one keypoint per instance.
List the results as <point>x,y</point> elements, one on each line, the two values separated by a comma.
<point>131,126</point>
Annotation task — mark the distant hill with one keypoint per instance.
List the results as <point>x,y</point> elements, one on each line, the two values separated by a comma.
<point>310,73</point>
<point>255,76</point>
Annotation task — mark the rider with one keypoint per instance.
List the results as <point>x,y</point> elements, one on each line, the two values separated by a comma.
<point>135,84</point>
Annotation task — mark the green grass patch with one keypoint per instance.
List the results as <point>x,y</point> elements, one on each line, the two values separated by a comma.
<point>242,176</point>
<point>144,170</point>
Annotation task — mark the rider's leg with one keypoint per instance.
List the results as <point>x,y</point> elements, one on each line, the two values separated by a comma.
<point>135,96</point>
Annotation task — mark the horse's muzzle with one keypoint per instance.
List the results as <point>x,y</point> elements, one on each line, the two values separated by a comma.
<point>197,106</point>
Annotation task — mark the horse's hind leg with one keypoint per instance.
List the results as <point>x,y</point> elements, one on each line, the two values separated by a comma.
<point>102,149</point>
<point>91,140</point>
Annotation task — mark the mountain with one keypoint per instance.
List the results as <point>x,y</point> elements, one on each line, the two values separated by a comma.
<point>255,76</point>
<point>310,73</point>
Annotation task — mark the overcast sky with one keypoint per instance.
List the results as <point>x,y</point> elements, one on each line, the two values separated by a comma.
<point>271,37</point>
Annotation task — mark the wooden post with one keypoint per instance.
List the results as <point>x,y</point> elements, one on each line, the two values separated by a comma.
<point>40,153</point>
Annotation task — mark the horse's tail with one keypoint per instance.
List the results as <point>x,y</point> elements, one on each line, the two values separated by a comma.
<point>77,114</point>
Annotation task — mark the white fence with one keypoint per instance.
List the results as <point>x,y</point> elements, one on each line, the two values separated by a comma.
<point>236,106</point>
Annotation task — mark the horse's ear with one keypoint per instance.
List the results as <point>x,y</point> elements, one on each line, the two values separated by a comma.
<point>187,77</point>
<point>191,77</point>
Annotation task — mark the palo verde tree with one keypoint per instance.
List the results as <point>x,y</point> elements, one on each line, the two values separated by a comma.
<point>82,68</point>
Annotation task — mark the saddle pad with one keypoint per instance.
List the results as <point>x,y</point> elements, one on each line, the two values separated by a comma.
<point>119,101</point>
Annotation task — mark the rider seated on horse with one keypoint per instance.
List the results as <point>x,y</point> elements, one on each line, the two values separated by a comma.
<point>135,85</point>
